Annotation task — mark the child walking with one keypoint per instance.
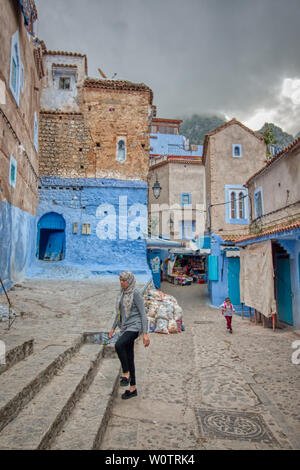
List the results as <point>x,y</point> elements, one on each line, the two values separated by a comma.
<point>227,309</point>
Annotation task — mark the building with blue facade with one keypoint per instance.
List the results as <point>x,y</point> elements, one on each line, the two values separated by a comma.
<point>94,159</point>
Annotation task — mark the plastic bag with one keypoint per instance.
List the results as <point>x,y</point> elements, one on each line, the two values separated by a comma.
<point>178,313</point>
<point>162,326</point>
<point>164,312</point>
<point>172,326</point>
<point>151,324</point>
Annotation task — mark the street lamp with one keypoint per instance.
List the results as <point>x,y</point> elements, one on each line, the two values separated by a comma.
<point>156,188</point>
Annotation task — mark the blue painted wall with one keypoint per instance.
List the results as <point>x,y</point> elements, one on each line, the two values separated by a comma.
<point>171,144</point>
<point>17,240</point>
<point>77,200</point>
<point>218,290</point>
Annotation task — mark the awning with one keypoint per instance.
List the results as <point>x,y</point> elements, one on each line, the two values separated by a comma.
<point>30,14</point>
<point>161,243</point>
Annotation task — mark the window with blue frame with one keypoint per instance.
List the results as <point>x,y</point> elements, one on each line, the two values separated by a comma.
<point>185,199</point>
<point>187,229</point>
<point>121,149</point>
<point>258,203</point>
<point>15,67</point>
<point>12,171</point>
<point>236,150</point>
<point>236,207</point>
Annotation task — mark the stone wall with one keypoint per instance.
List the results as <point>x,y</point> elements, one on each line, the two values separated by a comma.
<point>85,143</point>
<point>66,146</point>
<point>110,114</point>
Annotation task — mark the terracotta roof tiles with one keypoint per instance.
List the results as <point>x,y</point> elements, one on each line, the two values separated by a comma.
<point>279,228</point>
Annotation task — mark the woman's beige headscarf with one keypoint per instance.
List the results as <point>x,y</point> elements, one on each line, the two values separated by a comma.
<point>126,294</point>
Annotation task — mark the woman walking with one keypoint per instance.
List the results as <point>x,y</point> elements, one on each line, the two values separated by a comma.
<point>132,321</point>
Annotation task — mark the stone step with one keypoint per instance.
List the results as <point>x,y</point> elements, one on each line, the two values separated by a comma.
<point>22,382</point>
<point>87,424</point>
<point>16,352</point>
<point>40,421</point>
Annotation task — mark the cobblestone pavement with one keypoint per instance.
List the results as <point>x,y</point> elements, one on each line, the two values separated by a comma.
<point>209,389</point>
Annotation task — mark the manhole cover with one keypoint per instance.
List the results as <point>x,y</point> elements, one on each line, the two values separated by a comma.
<point>233,425</point>
<point>204,322</point>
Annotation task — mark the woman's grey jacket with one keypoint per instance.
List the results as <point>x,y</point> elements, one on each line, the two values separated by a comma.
<point>136,320</point>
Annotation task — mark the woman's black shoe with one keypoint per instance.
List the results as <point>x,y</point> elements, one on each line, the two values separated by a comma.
<point>124,381</point>
<point>129,394</point>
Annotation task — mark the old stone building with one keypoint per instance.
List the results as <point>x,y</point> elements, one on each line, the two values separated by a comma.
<point>178,168</point>
<point>21,70</point>
<point>94,158</point>
<point>231,154</point>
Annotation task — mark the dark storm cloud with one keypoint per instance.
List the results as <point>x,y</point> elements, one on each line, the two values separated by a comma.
<point>198,56</point>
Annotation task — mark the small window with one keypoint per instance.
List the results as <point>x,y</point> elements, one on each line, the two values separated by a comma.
<point>121,149</point>
<point>187,229</point>
<point>86,229</point>
<point>185,199</point>
<point>258,203</point>
<point>75,227</point>
<point>236,205</point>
<point>236,150</point>
<point>12,172</point>
<point>64,83</point>
<point>15,66</point>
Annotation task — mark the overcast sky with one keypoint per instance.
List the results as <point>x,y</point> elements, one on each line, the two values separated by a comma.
<point>236,57</point>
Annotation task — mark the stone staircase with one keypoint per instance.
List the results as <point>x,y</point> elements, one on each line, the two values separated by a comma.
<point>59,398</point>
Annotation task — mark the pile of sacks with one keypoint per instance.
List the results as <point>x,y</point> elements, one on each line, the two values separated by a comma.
<point>164,314</point>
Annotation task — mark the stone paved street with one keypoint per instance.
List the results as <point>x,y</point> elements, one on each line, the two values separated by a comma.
<point>201,389</point>
<point>207,389</point>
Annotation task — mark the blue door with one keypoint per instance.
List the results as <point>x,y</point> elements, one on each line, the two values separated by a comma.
<point>234,280</point>
<point>284,290</point>
<point>51,237</point>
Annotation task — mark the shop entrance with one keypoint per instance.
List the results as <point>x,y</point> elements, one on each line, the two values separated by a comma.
<point>51,237</point>
<point>187,269</point>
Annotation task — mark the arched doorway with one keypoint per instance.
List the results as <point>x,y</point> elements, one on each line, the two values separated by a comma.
<point>51,237</point>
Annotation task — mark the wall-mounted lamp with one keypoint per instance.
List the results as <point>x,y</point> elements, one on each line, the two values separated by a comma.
<point>156,188</point>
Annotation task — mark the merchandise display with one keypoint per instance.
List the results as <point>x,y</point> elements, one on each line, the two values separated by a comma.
<point>187,270</point>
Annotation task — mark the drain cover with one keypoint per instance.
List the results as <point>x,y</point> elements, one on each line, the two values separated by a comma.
<point>233,425</point>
